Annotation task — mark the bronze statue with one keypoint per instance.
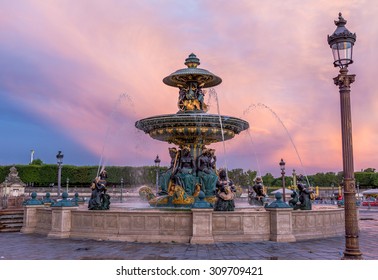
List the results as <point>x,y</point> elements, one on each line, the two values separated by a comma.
<point>47,199</point>
<point>213,159</point>
<point>206,174</point>
<point>166,178</point>
<point>191,98</point>
<point>184,173</point>
<point>304,198</point>
<point>99,200</point>
<point>256,194</point>
<point>225,193</point>
<point>294,199</point>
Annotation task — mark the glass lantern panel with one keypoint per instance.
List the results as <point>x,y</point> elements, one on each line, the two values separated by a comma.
<point>345,50</point>
<point>342,53</point>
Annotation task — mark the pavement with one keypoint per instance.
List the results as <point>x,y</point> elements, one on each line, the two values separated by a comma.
<point>19,246</point>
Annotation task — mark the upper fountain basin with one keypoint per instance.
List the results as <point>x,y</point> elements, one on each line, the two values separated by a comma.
<point>201,76</point>
<point>195,128</point>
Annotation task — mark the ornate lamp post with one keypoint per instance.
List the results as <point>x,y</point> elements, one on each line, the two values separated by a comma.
<point>59,158</point>
<point>341,43</point>
<point>294,179</point>
<point>282,165</point>
<point>157,165</point>
<point>67,184</point>
<point>333,192</point>
<point>121,188</point>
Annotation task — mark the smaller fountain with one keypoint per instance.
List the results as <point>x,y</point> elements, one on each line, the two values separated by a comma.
<point>193,164</point>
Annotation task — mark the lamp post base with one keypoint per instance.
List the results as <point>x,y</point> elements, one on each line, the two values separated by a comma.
<point>352,256</point>
<point>352,251</point>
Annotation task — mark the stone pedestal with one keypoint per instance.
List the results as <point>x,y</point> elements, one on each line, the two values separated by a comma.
<point>61,222</point>
<point>12,190</point>
<point>281,221</point>
<point>202,226</point>
<point>30,218</point>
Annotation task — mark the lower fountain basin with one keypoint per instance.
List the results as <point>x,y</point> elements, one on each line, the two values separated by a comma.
<point>197,226</point>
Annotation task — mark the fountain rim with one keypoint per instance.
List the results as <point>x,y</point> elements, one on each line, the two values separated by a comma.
<point>182,117</point>
<point>185,72</point>
<point>188,128</point>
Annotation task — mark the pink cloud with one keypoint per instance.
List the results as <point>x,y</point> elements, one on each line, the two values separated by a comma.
<point>87,56</point>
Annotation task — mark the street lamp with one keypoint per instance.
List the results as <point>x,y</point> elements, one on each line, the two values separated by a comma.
<point>333,192</point>
<point>59,158</point>
<point>67,184</point>
<point>282,165</point>
<point>121,188</point>
<point>294,179</point>
<point>341,43</point>
<point>157,164</point>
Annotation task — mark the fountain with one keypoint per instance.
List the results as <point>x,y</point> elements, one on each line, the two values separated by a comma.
<point>193,165</point>
<point>186,209</point>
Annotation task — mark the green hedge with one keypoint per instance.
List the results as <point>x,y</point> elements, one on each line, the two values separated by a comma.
<point>44,175</point>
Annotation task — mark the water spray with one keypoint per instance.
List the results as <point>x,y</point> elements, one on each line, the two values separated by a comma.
<point>214,93</point>
<point>260,105</point>
<point>121,98</point>
<point>254,151</point>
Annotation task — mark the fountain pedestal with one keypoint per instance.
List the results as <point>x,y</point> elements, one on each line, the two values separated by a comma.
<point>281,229</point>
<point>202,226</point>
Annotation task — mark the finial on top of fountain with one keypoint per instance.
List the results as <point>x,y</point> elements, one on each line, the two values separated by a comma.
<point>192,61</point>
<point>190,82</point>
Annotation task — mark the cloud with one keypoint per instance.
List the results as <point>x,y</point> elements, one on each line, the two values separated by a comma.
<point>68,64</point>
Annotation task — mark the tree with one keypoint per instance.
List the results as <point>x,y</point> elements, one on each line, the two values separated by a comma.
<point>268,179</point>
<point>370,170</point>
<point>251,176</point>
<point>365,179</point>
<point>374,180</point>
<point>36,161</point>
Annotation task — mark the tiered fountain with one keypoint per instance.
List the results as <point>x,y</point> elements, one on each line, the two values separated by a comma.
<point>193,165</point>
<point>192,173</point>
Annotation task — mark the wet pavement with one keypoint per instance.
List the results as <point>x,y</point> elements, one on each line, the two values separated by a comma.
<point>19,246</point>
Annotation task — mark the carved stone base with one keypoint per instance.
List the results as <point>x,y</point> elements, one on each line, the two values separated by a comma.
<point>202,226</point>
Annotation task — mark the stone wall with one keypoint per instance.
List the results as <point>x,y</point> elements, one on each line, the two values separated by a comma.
<point>311,224</point>
<point>201,226</point>
<point>127,225</point>
<point>241,225</point>
<point>44,220</point>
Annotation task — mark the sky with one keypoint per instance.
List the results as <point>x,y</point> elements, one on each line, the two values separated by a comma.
<point>76,75</point>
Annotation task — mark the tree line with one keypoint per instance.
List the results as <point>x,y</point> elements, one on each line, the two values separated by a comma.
<point>367,178</point>
<point>47,174</point>
<point>41,175</point>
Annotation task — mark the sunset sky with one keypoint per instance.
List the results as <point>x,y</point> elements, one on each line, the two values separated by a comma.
<point>76,75</point>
